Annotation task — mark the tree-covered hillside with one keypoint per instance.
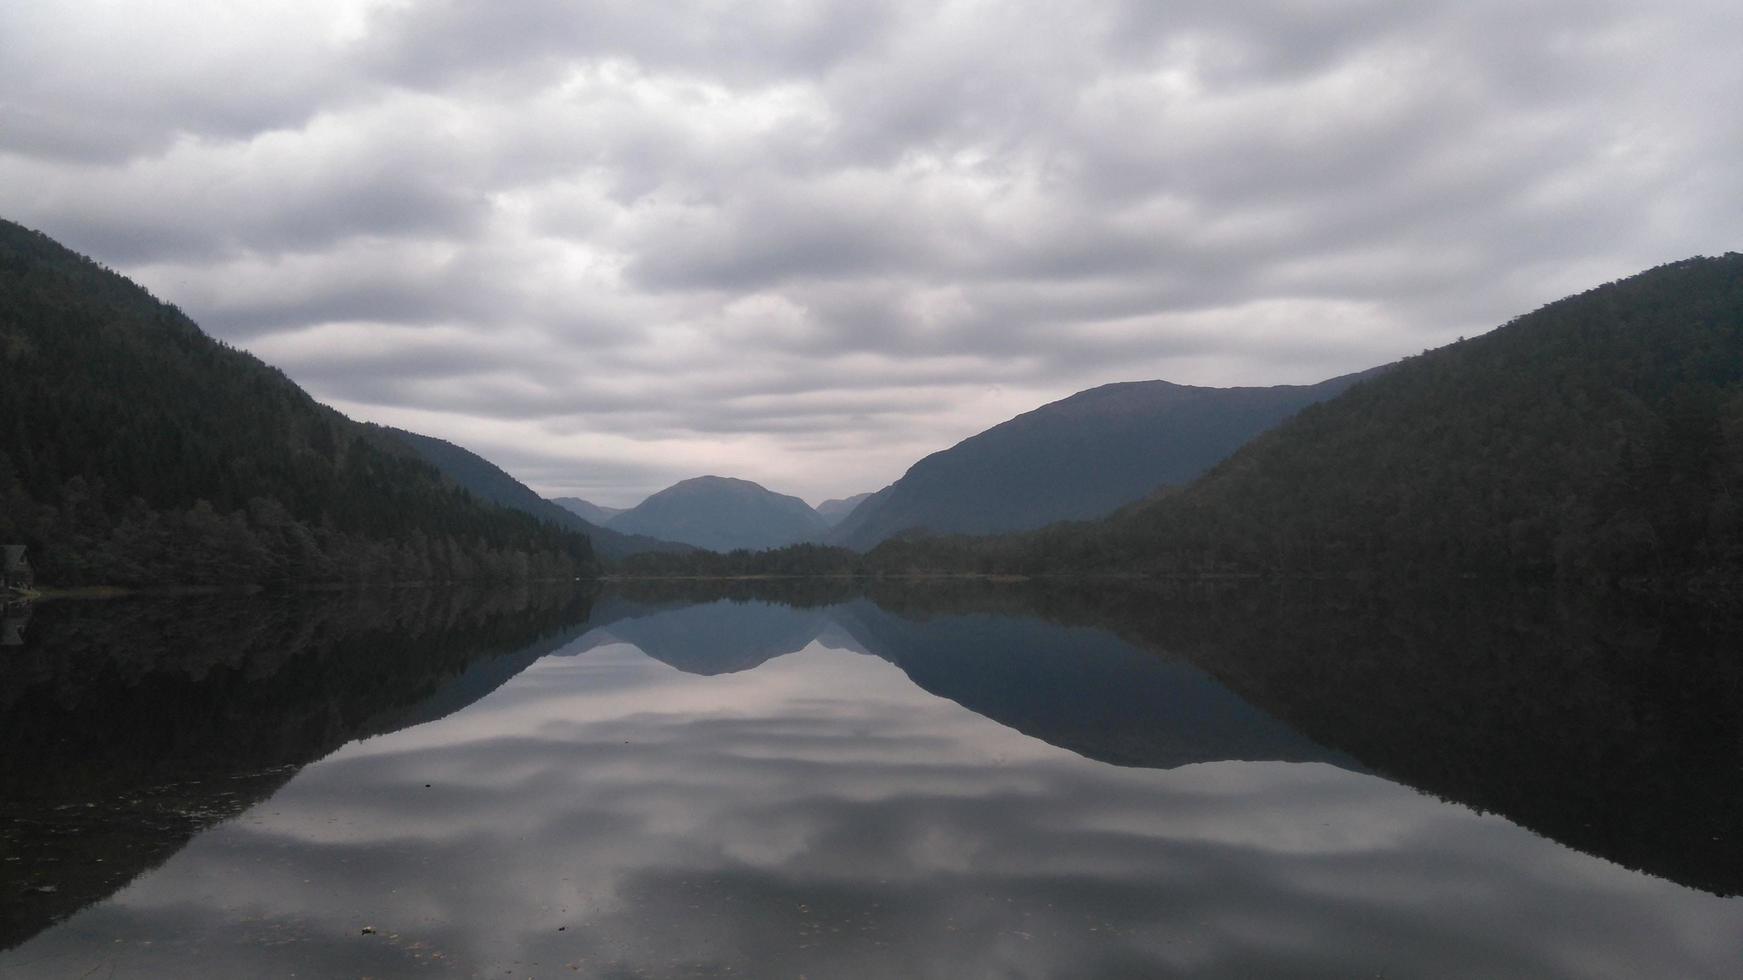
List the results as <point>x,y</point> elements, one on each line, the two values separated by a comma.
<point>489,482</point>
<point>1599,438</point>
<point>136,450</point>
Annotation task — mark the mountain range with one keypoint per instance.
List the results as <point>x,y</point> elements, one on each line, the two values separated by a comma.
<point>587,510</point>
<point>723,514</point>
<point>1075,459</point>
<point>1078,458</point>
<point>836,510</point>
<point>1598,437</point>
<point>488,482</point>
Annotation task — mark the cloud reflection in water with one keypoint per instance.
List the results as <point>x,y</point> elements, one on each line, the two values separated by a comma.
<point>820,815</point>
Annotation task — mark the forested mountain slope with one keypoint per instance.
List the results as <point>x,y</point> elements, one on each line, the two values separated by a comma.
<point>134,449</point>
<point>1077,459</point>
<point>1602,434</point>
<point>1599,438</point>
<point>489,482</point>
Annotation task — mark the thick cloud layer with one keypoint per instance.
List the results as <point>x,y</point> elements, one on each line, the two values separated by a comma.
<point>616,244</point>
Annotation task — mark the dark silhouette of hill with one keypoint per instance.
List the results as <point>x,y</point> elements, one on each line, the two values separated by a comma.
<point>1598,437</point>
<point>836,510</point>
<point>723,514</point>
<point>136,450</point>
<point>587,510</point>
<point>489,482</point>
<point>1076,459</point>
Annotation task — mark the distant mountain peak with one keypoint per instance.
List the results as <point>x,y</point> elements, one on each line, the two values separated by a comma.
<point>1078,458</point>
<point>723,513</point>
<point>836,510</point>
<point>587,510</point>
<point>710,482</point>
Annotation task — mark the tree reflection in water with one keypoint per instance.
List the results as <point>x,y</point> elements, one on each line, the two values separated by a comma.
<point>784,799</point>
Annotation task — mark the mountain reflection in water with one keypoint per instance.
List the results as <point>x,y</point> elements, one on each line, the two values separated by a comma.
<point>914,782</point>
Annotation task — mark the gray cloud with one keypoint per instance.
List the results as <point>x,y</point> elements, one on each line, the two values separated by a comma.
<point>432,43</point>
<point>807,243</point>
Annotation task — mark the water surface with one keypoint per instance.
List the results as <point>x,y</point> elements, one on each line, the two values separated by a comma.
<point>646,786</point>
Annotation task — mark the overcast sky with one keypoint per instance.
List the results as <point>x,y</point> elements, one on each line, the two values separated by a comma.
<point>613,244</point>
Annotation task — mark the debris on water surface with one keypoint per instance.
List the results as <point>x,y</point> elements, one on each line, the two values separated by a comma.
<point>369,930</point>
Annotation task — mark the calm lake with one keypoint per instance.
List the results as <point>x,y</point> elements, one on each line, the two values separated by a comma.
<point>941,780</point>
